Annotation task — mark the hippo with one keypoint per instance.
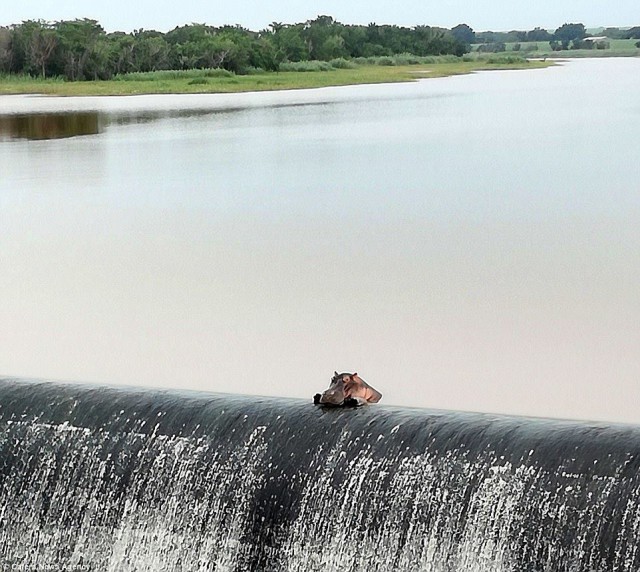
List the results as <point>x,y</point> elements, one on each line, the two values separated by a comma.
<point>347,389</point>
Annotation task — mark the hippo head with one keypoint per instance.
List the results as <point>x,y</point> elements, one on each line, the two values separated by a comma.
<point>349,386</point>
<point>336,393</point>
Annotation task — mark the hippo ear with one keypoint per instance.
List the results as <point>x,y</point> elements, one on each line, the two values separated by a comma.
<point>335,373</point>
<point>354,374</point>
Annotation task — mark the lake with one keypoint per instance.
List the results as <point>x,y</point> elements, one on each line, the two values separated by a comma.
<point>469,243</point>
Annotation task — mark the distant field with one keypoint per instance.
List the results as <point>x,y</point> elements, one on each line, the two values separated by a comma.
<point>216,81</point>
<point>617,48</point>
<point>624,45</point>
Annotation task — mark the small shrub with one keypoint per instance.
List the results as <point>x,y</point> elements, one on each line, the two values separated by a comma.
<point>251,70</point>
<point>448,59</point>
<point>506,60</point>
<point>341,64</point>
<point>385,61</point>
<point>309,66</point>
<point>407,60</point>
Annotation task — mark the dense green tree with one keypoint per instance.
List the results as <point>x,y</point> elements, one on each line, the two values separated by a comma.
<point>41,43</point>
<point>101,60</point>
<point>77,51</point>
<point>332,47</point>
<point>5,49</point>
<point>208,52</point>
<point>633,33</point>
<point>491,37</point>
<point>263,54</point>
<point>464,33</point>
<point>18,49</point>
<point>355,38</point>
<point>487,37</point>
<point>538,35</point>
<point>150,51</point>
<point>316,32</point>
<point>235,48</point>
<point>395,39</point>
<point>289,44</point>
<point>81,50</point>
<point>189,33</point>
<point>122,46</point>
<point>569,32</point>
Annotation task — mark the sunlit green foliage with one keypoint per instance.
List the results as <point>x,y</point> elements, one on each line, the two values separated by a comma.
<point>82,50</point>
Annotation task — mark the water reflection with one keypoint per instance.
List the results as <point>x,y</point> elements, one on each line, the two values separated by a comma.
<point>41,126</point>
<point>148,116</point>
<point>46,121</point>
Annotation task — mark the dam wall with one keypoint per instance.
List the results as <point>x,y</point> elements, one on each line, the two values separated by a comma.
<point>130,479</point>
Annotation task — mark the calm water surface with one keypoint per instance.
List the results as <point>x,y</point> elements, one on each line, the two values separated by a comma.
<point>468,242</point>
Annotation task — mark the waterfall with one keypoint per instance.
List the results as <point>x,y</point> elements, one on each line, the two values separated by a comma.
<point>130,479</point>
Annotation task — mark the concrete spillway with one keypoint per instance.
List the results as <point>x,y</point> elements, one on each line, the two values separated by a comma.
<point>113,479</point>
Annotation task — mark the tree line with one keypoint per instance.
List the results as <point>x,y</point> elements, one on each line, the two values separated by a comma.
<point>82,50</point>
<point>562,37</point>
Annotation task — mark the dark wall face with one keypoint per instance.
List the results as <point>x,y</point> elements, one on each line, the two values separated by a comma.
<point>140,480</point>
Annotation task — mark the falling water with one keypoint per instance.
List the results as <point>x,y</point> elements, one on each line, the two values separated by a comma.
<point>97,478</point>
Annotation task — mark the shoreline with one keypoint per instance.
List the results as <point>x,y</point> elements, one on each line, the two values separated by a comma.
<point>198,83</point>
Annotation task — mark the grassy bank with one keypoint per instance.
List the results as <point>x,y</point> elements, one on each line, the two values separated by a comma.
<point>219,81</point>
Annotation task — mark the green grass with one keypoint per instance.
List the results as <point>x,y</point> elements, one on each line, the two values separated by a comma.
<point>174,74</point>
<point>206,81</point>
<point>626,45</point>
<point>617,48</point>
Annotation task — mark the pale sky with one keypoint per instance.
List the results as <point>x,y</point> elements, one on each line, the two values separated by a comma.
<point>492,15</point>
